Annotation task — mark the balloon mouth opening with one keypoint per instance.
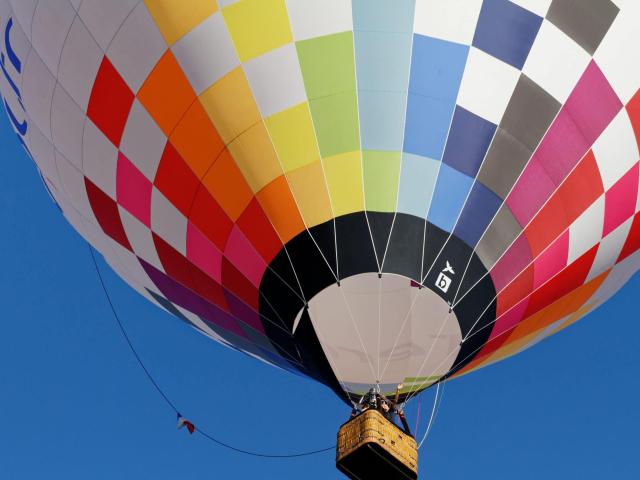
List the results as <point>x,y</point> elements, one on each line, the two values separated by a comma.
<point>384,330</point>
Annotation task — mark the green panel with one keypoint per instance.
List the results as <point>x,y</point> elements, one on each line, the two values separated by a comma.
<point>381,174</point>
<point>327,64</point>
<point>336,122</point>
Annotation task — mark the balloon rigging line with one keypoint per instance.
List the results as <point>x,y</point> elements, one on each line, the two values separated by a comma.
<point>434,411</point>
<point>504,200</point>
<point>533,218</point>
<point>378,378</point>
<point>456,300</point>
<point>203,433</point>
<point>126,336</point>
<point>355,325</point>
<point>508,330</point>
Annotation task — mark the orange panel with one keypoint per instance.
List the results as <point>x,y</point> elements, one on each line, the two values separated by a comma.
<point>227,185</point>
<point>166,94</point>
<point>563,307</point>
<point>278,203</point>
<point>197,140</point>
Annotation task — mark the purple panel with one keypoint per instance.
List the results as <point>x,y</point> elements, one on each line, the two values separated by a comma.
<point>478,212</point>
<point>506,31</point>
<point>243,312</point>
<point>179,295</point>
<point>468,141</point>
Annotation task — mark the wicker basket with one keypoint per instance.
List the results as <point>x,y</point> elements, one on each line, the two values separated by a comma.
<point>370,446</point>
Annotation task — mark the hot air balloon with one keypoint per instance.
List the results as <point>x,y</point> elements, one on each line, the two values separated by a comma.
<point>365,192</point>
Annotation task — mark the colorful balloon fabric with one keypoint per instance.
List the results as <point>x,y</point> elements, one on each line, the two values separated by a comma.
<point>359,191</point>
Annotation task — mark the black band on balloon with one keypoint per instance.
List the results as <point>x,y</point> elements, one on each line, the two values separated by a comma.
<point>357,254</point>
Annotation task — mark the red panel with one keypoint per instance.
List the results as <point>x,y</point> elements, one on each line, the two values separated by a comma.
<point>550,222</point>
<point>633,109</point>
<point>176,180</point>
<point>211,219</point>
<point>259,231</point>
<point>110,102</point>
<point>180,269</point>
<point>515,292</point>
<point>581,188</point>
<point>563,283</point>
<point>632,245</point>
<point>237,284</point>
<point>106,211</point>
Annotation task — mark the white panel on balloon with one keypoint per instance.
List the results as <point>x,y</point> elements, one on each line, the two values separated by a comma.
<point>206,53</point>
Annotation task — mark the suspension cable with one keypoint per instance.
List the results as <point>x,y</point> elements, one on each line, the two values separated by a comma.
<point>164,396</point>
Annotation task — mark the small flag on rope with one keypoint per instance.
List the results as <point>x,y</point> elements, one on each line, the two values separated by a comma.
<point>183,422</point>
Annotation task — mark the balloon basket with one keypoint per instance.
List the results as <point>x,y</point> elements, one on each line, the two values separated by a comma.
<point>370,446</point>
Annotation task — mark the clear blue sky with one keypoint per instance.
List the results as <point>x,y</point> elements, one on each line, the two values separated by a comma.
<point>75,405</point>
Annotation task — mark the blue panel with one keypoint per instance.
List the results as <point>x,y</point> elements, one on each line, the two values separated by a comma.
<point>506,31</point>
<point>382,120</point>
<point>383,38</point>
<point>383,15</point>
<point>468,142</point>
<point>452,188</point>
<point>382,60</point>
<point>436,72</point>
<point>477,214</point>
<point>417,179</point>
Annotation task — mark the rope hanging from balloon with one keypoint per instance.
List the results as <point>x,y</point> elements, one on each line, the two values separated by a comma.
<point>182,420</point>
<point>434,412</point>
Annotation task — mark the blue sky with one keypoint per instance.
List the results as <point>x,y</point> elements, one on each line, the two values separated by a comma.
<point>75,405</point>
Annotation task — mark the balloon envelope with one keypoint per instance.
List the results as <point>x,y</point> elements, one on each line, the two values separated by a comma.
<point>361,191</point>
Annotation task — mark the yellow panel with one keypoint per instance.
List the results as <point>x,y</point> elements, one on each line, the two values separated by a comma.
<point>309,189</point>
<point>257,26</point>
<point>254,154</point>
<point>176,18</point>
<point>344,179</point>
<point>293,136</point>
<point>230,105</point>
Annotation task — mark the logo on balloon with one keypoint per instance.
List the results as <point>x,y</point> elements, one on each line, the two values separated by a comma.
<point>19,121</point>
<point>443,282</point>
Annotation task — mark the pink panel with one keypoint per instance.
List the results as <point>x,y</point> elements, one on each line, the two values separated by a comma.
<point>562,147</point>
<point>509,319</point>
<point>620,201</point>
<point>204,254</point>
<point>244,257</point>
<point>514,261</point>
<point>593,103</point>
<point>133,190</point>
<point>589,109</point>
<point>551,261</point>
<point>531,192</point>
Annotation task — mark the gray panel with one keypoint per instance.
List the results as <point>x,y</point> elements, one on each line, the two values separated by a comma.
<point>529,113</point>
<point>526,120</point>
<point>585,21</point>
<point>504,163</point>
<point>502,232</point>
